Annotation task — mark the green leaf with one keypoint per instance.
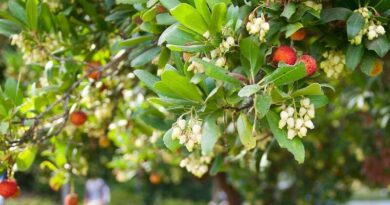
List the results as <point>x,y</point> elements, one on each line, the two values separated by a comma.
<point>17,11</point>
<point>380,45</point>
<point>294,146</point>
<point>216,72</point>
<point>289,10</point>
<point>147,78</point>
<point>201,6</point>
<point>334,14</point>
<point>171,144</point>
<point>145,57</point>
<point>32,14</point>
<point>181,86</point>
<point>12,91</point>
<point>252,56</point>
<point>7,28</point>
<point>26,158</point>
<point>262,105</point>
<point>368,63</point>
<point>218,18</point>
<point>190,48</point>
<point>169,4</point>
<point>217,165</point>
<point>189,17</point>
<point>149,15</point>
<point>174,35</point>
<point>355,24</point>
<point>164,57</point>
<point>135,41</point>
<point>318,100</point>
<point>286,74</point>
<point>312,89</point>
<point>354,56</point>
<point>292,28</point>
<point>245,132</point>
<point>210,135</point>
<point>249,90</point>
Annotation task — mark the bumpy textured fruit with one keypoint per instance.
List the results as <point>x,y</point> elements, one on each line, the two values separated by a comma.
<point>8,188</point>
<point>78,118</point>
<point>71,199</point>
<point>93,71</point>
<point>298,35</point>
<point>284,54</point>
<point>155,178</point>
<point>310,64</point>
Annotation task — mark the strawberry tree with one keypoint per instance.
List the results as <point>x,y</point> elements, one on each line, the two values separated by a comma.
<point>205,86</point>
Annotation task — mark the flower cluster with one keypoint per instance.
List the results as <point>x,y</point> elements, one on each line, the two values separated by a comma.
<point>298,123</point>
<point>197,67</point>
<point>198,166</point>
<point>188,133</point>
<point>33,53</point>
<point>333,64</point>
<point>257,26</point>
<point>371,29</point>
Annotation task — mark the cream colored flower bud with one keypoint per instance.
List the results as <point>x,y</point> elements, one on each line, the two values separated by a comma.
<point>282,123</point>
<point>254,28</point>
<point>309,124</point>
<point>196,129</point>
<point>206,34</point>
<point>284,115</point>
<point>303,132</point>
<point>371,34</point>
<point>290,122</point>
<point>302,111</point>
<point>214,53</point>
<point>182,139</point>
<point>291,134</point>
<point>298,123</point>
<point>265,26</point>
<point>176,132</point>
<point>380,30</point>
<point>305,102</point>
<point>258,21</point>
<point>230,40</point>
<point>181,123</point>
<point>311,113</point>
<point>290,111</point>
<point>221,61</point>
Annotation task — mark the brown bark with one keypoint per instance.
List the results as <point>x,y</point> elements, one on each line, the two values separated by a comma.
<point>222,184</point>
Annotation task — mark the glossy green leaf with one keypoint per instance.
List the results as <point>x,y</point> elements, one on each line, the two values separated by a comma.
<point>218,17</point>
<point>26,158</point>
<point>134,41</point>
<point>312,89</point>
<point>294,146</point>
<point>216,72</point>
<point>318,100</point>
<point>145,57</point>
<point>32,14</point>
<point>252,56</point>
<point>210,135</point>
<point>354,56</point>
<point>244,129</point>
<point>171,144</point>
<point>289,10</point>
<point>368,63</point>
<point>189,17</point>
<point>262,105</point>
<point>249,90</point>
<point>292,28</point>
<point>355,24</point>
<point>380,45</point>
<point>203,9</point>
<point>334,14</point>
<point>147,78</point>
<point>190,48</point>
<point>286,74</point>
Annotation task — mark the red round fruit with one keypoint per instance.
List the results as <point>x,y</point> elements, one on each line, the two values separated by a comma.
<point>78,118</point>
<point>284,54</point>
<point>298,35</point>
<point>8,188</point>
<point>310,64</point>
<point>71,199</point>
<point>92,69</point>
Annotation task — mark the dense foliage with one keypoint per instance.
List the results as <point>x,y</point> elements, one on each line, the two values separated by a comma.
<point>289,98</point>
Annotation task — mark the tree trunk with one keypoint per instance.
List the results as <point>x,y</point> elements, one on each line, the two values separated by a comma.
<point>233,197</point>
